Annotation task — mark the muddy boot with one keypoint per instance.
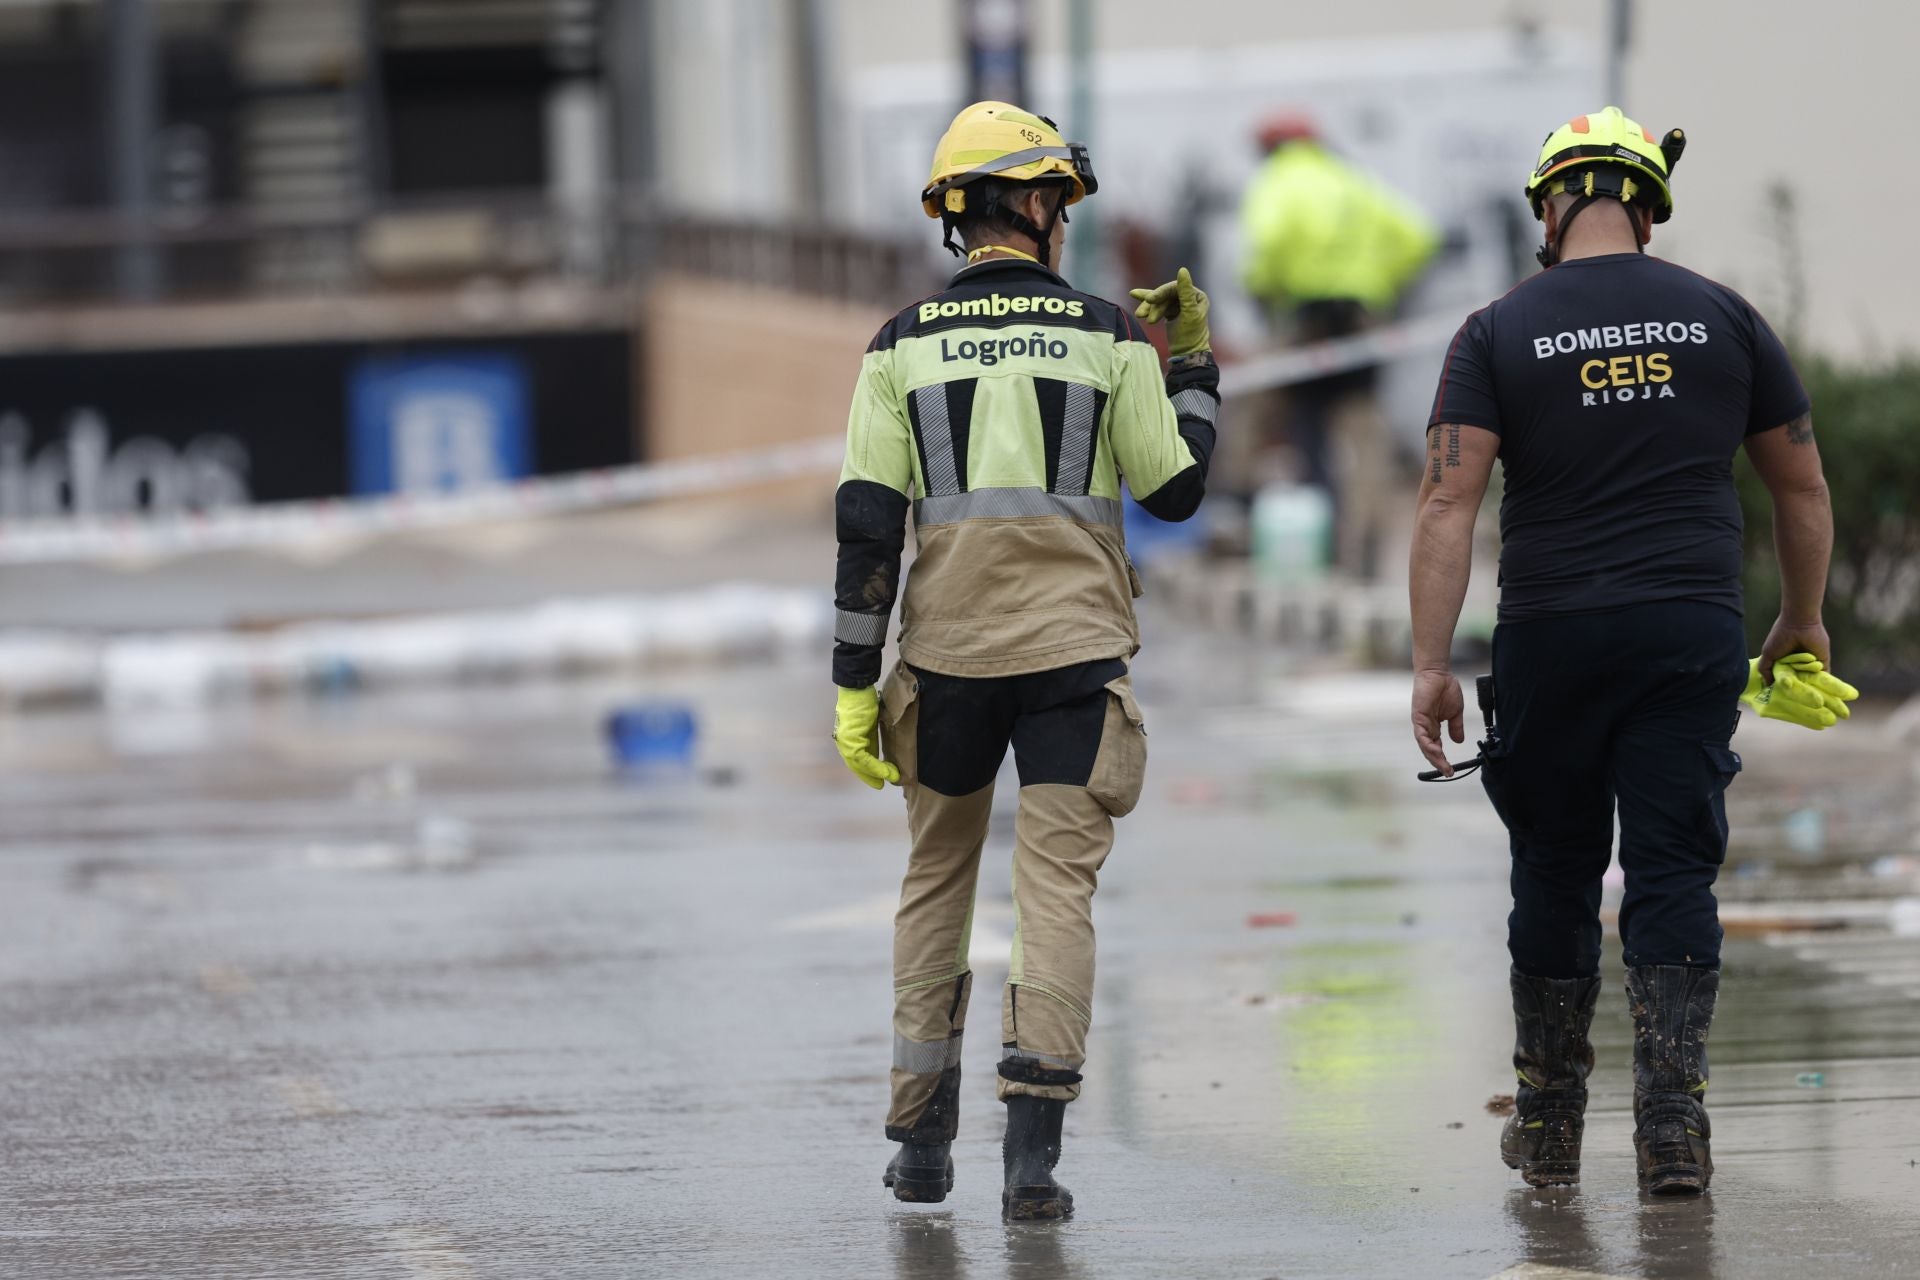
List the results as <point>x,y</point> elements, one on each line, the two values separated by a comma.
<point>1553,1057</point>
<point>1672,1008</point>
<point>1032,1149</point>
<point>922,1173</point>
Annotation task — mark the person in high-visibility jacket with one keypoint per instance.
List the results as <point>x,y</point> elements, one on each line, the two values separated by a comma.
<point>1003,412</point>
<point>1327,250</point>
<point>1321,234</point>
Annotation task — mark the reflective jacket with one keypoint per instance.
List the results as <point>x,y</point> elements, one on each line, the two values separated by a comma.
<point>1317,229</point>
<point>1005,412</point>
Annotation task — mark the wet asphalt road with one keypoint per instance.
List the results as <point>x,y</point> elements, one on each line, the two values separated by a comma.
<point>410,986</point>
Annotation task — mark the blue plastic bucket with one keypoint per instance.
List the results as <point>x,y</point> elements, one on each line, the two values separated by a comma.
<point>652,733</point>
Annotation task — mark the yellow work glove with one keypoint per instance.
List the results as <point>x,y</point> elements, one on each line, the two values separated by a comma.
<point>1808,680</point>
<point>1802,692</point>
<point>1184,308</point>
<point>856,731</point>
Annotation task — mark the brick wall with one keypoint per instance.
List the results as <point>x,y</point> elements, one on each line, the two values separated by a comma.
<point>731,366</point>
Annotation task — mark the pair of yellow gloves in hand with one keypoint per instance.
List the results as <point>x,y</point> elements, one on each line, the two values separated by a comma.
<point>1803,692</point>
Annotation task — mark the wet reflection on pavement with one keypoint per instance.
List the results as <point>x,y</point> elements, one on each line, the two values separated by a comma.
<point>413,985</point>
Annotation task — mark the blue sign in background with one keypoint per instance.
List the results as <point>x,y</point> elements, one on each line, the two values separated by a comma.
<point>438,422</point>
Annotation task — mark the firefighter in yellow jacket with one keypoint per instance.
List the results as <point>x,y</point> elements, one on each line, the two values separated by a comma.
<point>1331,250</point>
<point>1005,412</point>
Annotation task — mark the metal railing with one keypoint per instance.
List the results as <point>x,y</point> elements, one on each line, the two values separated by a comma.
<point>65,259</point>
<point>851,266</point>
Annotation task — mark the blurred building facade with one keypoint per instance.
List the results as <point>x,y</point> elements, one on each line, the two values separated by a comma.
<point>276,250</point>
<point>1768,97</point>
<point>234,147</point>
<point>1768,94</point>
<point>256,249</point>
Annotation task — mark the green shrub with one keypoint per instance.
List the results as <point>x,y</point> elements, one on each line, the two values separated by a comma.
<point>1867,422</point>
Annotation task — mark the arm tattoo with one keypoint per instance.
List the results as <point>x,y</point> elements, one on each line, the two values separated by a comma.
<point>1443,453</point>
<point>1800,430</point>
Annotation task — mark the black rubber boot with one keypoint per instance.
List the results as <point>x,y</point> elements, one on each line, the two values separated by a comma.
<point>1672,1010</point>
<point>1553,1056</point>
<point>1031,1151</point>
<point>922,1172</point>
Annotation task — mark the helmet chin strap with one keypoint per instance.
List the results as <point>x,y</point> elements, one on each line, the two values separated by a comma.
<point>1549,252</point>
<point>1042,237</point>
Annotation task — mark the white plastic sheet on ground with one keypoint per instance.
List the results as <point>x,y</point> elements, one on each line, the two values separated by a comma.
<point>559,638</point>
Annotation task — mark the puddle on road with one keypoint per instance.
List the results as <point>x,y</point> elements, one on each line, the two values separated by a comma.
<point>1356,789</point>
<point>1336,884</point>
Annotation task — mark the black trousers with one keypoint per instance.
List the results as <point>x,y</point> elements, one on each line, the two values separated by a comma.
<point>1312,403</point>
<point>1630,710</point>
<point>1052,719</point>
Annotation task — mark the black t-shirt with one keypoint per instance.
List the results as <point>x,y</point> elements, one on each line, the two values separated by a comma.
<point>1620,387</point>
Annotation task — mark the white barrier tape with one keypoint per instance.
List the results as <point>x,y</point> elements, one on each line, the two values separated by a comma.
<point>1337,355</point>
<point>285,523</point>
<point>289,523</point>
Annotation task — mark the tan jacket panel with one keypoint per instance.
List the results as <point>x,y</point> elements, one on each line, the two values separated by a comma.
<point>1058,592</point>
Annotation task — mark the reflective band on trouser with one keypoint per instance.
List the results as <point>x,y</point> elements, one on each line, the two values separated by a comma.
<point>1015,504</point>
<point>922,1057</point>
<point>1196,404</point>
<point>936,438</point>
<point>859,628</point>
<point>1076,439</point>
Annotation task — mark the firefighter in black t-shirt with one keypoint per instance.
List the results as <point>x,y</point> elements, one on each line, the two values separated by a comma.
<point>1615,389</point>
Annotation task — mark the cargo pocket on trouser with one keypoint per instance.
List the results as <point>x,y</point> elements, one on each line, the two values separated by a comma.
<point>1120,768</point>
<point>1723,763</point>
<point>900,721</point>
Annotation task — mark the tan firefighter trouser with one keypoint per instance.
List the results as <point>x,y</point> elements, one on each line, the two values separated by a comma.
<point>1062,834</point>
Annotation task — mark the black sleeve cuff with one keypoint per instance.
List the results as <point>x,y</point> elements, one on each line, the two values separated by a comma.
<point>856,666</point>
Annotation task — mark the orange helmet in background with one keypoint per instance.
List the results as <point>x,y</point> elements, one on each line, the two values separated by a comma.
<point>1288,125</point>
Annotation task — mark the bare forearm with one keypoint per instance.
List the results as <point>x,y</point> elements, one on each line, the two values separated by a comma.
<point>1803,544</point>
<point>1460,462</point>
<point>1442,564</point>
